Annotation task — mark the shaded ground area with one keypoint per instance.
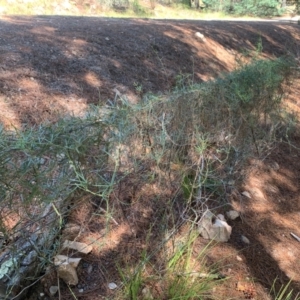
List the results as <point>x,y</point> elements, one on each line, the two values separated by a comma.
<point>53,66</point>
<point>61,64</point>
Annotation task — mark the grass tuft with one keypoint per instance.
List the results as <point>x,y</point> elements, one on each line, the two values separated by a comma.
<point>190,142</point>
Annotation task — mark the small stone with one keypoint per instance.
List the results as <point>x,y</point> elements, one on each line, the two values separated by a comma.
<point>239,258</point>
<point>112,286</point>
<point>68,274</point>
<point>53,290</point>
<point>245,240</point>
<point>232,214</point>
<point>42,161</point>
<point>81,247</point>
<point>62,259</point>
<point>221,217</point>
<point>42,295</point>
<point>246,194</point>
<point>90,269</point>
<point>60,156</point>
<point>211,227</point>
<point>200,36</point>
<point>275,166</point>
<point>147,293</point>
<point>81,290</point>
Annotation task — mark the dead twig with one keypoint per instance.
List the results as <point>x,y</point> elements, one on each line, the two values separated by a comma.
<point>295,237</point>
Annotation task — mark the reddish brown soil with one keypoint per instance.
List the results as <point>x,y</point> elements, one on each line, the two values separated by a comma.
<point>53,66</point>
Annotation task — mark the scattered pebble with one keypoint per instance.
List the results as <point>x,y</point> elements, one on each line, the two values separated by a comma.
<point>42,161</point>
<point>275,166</point>
<point>232,214</point>
<point>53,290</point>
<point>239,258</point>
<point>147,293</point>
<point>80,290</point>
<point>200,36</point>
<point>245,240</point>
<point>221,217</point>
<point>112,286</point>
<point>246,194</point>
<point>90,269</point>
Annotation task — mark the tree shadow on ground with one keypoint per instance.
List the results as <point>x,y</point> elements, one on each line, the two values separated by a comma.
<point>61,64</point>
<point>51,64</point>
<point>269,218</point>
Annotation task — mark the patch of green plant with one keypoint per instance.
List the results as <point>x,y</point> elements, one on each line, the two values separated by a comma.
<point>245,7</point>
<point>185,274</point>
<point>207,130</point>
<point>138,9</point>
<point>284,293</point>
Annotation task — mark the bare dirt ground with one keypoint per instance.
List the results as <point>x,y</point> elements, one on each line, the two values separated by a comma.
<point>54,66</point>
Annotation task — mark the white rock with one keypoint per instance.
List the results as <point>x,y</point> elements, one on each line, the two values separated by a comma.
<point>41,161</point>
<point>232,214</point>
<point>68,274</point>
<point>60,156</point>
<point>245,240</point>
<point>90,269</point>
<point>275,166</point>
<point>221,217</point>
<point>200,36</point>
<point>53,290</point>
<point>62,259</point>
<point>217,229</point>
<point>80,290</point>
<point>147,293</point>
<point>112,286</point>
<point>80,247</point>
<point>239,258</point>
<point>246,194</point>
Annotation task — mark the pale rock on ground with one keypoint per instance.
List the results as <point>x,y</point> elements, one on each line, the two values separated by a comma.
<point>53,290</point>
<point>232,214</point>
<point>214,227</point>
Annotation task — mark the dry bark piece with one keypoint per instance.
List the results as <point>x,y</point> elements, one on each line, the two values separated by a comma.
<point>21,258</point>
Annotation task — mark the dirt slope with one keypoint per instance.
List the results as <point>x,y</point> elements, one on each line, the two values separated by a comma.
<point>61,64</point>
<point>52,66</point>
